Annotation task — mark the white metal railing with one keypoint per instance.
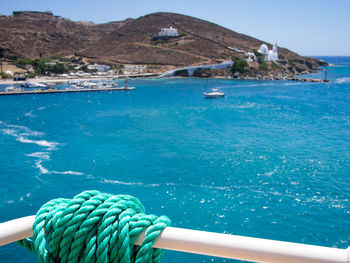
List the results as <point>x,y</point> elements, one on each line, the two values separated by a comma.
<point>213,244</point>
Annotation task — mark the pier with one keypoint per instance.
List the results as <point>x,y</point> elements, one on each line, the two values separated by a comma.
<point>60,91</point>
<point>70,78</point>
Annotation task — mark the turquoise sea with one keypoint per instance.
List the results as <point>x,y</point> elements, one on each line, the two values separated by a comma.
<point>270,160</point>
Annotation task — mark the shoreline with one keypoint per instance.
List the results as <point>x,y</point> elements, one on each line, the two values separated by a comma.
<point>58,80</point>
<point>66,79</point>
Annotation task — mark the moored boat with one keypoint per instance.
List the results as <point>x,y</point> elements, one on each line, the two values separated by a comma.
<point>214,93</point>
<point>33,84</point>
<point>13,89</point>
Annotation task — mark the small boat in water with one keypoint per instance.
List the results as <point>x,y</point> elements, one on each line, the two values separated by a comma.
<point>214,93</point>
<point>107,84</point>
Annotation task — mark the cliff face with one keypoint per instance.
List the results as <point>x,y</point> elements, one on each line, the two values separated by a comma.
<point>35,34</point>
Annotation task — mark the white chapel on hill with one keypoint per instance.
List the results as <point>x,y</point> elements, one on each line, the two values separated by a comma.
<point>269,54</point>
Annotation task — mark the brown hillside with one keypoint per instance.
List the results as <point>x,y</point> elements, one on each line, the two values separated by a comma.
<point>35,34</point>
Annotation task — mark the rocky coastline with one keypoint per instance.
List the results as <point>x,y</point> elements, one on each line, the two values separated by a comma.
<point>277,70</point>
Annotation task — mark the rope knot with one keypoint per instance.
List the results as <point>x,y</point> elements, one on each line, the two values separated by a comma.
<point>95,227</point>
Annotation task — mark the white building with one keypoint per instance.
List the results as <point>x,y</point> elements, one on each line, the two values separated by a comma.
<point>135,68</point>
<point>9,73</point>
<point>250,57</point>
<point>168,32</point>
<point>100,68</point>
<point>269,54</point>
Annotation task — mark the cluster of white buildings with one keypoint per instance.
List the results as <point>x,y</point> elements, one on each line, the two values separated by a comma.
<point>99,68</point>
<point>269,55</point>
<point>134,69</point>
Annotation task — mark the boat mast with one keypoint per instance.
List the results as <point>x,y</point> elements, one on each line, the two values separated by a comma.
<point>325,75</point>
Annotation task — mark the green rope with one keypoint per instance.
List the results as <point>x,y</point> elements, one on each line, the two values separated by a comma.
<point>95,227</point>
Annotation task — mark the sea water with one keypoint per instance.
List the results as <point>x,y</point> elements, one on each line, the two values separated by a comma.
<point>270,160</point>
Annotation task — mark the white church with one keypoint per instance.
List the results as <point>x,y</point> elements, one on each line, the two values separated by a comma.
<point>269,54</point>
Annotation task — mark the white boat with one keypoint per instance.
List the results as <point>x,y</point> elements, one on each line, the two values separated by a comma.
<point>74,86</point>
<point>12,89</point>
<point>106,84</point>
<point>214,93</point>
<point>110,84</point>
<point>92,85</point>
<point>33,84</point>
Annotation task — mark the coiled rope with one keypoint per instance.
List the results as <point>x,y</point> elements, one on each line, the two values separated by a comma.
<point>95,227</point>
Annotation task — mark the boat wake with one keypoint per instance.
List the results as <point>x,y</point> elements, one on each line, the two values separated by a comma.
<point>342,80</point>
<point>26,135</point>
<point>45,156</point>
<point>129,183</point>
<point>248,105</point>
<point>30,114</point>
<point>22,135</point>
<point>166,184</point>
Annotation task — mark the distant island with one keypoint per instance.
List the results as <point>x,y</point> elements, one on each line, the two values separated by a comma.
<point>40,43</point>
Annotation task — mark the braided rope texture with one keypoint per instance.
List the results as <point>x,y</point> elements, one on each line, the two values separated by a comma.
<point>95,227</point>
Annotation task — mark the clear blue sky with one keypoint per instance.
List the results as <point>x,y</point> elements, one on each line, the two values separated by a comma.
<point>308,27</point>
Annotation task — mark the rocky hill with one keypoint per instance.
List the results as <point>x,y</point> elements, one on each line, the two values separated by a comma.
<point>42,34</point>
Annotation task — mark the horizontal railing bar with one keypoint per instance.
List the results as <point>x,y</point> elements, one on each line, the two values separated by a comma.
<point>16,229</point>
<point>211,244</point>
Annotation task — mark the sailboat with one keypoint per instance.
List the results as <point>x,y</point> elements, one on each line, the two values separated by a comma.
<point>325,76</point>
<point>214,93</point>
